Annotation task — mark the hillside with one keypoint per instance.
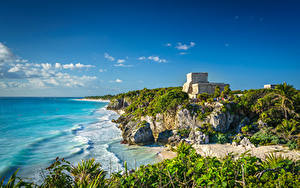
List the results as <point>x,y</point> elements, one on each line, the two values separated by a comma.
<point>168,116</point>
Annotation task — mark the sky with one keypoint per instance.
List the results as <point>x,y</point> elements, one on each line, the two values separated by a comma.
<point>83,48</point>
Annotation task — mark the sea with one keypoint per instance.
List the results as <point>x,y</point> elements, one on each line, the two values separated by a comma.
<point>34,131</point>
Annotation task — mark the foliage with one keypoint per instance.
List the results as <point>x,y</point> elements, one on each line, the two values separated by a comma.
<point>189,169</point>
<point>203,96</point>
<point>104,97</point>
<point>226,92</point>
<point>217,92</point>
<point>220,138</point>
<point>183,133</point>
<point>265,137</point>
<point>86,174</point>
<point>153,101</point>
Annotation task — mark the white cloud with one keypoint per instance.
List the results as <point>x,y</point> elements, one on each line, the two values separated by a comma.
<point>69,66</point>
<point>169,44</point>
<point>46,66</point>
<point>72,66</point>
<point>58,66</point>
<point>181,46</point>
<point>19,73</point>
<point>107,56</point>
<point>157,59</point>
<point>14,69</point>
<point>102,70</point>
<point>118,80</point>
<point>121,61</point>
<point>153,58</point>
<point>5,53</point>
<point>122,65</point>
<point>79,65</point>
<point>182,53</point>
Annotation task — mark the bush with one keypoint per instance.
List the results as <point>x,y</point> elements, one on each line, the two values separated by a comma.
<point>188,169</point>
<point>219,138</point>
<point>265,137</point>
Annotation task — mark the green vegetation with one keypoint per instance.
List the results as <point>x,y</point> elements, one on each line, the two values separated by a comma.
<point>275,110</point>
<point>150,102</point>
<point>187,169</point>
<point>104,97</point>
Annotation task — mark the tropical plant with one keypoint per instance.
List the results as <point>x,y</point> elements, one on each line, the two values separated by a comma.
<point>86,171</point>
<point>284,94</point>
<point>217,92</point>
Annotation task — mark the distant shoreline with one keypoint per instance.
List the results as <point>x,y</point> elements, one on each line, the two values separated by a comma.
<point>92,100</point>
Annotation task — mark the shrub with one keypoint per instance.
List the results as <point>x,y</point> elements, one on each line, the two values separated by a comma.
<point>265,137</point>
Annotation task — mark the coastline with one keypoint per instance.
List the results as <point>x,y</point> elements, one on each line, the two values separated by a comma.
<point>222,150</point>
<point>92,100</point>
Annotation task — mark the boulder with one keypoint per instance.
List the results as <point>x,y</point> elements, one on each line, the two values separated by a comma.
<point>246,143</point>
<point>136,132</point>
<point>175,139</point>
<point>220,121</point>
<point>198,137</point>
<point>164,136</point>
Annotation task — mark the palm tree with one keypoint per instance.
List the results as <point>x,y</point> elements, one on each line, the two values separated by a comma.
<point>86,171</point>
<point>284,93</point>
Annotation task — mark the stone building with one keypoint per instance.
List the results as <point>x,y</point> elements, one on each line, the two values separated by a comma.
<point>197,83</point>
<point>270,86</point>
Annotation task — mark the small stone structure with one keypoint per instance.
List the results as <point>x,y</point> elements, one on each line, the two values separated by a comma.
<point>270,86</point>
<point>197,83</point>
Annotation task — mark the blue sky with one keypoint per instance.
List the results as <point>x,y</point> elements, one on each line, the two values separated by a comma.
<point>80,48</point>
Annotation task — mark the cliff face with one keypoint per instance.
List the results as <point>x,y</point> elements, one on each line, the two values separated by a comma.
<point>171,127</point>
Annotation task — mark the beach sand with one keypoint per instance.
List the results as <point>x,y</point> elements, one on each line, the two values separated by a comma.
<point>92,100</point>
<point>221,150</point>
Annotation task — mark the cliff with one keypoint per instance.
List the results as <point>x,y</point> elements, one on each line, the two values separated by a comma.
<point>168,116</point>
<point>171,127</point>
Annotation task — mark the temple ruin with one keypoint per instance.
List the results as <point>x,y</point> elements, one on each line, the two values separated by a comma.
<point>197,83</point>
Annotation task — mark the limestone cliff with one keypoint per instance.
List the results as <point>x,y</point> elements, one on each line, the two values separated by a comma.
<point>171,127</point>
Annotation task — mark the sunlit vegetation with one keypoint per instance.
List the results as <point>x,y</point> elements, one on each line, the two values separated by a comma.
<point>187,169</point>
<point>273,113</point>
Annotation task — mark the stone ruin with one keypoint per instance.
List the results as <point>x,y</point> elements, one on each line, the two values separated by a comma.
<point>197,83</point>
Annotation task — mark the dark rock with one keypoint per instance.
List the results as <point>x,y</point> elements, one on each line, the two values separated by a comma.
<point>164,136</point>
<point>136,132</point>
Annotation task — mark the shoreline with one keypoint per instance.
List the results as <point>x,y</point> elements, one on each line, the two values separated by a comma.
<point>92,100</point>
<point>222,150</point>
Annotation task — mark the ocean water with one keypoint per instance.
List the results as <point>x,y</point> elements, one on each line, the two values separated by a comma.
<point>34,131</point>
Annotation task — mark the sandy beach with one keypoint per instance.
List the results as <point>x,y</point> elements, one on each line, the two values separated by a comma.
<point>221,150</point>
<point>92,100</point>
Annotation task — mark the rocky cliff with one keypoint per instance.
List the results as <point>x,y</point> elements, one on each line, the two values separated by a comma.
<point>172,127</point>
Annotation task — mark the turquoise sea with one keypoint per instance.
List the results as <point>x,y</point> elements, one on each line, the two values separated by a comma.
<point>34,131</point>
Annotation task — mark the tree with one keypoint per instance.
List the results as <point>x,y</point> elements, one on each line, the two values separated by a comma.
<point>217,92</point>
<point>226,91</point>
<point>86,171</point>
<point>203,96</point>
<point>284,94</point>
